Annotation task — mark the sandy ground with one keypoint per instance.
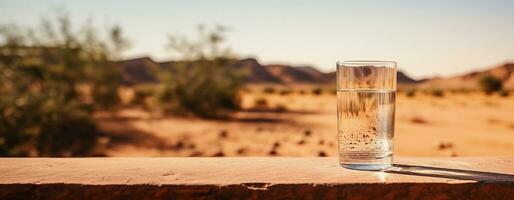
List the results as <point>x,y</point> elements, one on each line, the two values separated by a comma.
<point>471,124</point>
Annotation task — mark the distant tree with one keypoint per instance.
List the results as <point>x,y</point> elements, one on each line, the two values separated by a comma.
<point>105,77</point>
<point>490,84</point>
<point>202,83</point>
<point>44,109</point>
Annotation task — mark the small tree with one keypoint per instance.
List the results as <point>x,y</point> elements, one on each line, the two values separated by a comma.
<point>203,83</point>
<point>490,84</point>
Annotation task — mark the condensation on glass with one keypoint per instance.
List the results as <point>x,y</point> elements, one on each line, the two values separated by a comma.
<point>366,93</point>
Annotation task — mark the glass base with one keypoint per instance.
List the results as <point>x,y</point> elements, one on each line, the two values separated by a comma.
<point>372,161</point>
<point>366,167</point>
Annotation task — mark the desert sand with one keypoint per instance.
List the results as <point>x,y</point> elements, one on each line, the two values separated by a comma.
<point>457,124</point>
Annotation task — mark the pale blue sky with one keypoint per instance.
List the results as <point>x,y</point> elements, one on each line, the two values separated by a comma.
<point>427,38</point>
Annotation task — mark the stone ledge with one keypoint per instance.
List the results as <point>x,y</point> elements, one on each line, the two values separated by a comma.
<point>252,177</point>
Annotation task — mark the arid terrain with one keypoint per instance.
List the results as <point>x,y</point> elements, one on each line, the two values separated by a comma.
<point>456,124</point>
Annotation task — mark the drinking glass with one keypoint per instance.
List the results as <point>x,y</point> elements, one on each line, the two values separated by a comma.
<point>366,92</point>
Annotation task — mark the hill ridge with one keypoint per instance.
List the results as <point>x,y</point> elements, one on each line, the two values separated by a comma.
<point>139,70</point>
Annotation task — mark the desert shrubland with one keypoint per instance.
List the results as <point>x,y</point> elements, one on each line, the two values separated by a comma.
<point>53,77</point>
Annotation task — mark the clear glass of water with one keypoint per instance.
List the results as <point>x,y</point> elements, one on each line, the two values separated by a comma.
<point>366,93</point>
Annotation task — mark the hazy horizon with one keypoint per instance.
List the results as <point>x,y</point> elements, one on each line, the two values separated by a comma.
<point>436,38</point>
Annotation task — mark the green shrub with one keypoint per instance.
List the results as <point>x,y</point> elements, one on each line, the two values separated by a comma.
<point>43,112</point>
<point>142,93</point>
<point>204,84</point>
<point>490,84</point>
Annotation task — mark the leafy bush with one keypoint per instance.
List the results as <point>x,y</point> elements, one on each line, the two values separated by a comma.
<point>43,112</point>
<point>203,84</point>
<point>141,94</point>
<point>490,84</point>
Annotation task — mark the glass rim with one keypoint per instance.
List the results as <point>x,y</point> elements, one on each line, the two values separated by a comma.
<point>351,63</point>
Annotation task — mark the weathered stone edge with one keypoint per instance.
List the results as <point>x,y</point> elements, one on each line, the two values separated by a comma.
<point>503,190</point>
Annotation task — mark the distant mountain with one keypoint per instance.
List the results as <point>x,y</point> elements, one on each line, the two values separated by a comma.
<point>256,73</point>
<point>504,72</point>
<point>139,70</point>
<point>404,79</point>
<point>289,74</point>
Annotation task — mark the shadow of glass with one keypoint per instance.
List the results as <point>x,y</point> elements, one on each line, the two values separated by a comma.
<point>460,174</point>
